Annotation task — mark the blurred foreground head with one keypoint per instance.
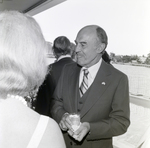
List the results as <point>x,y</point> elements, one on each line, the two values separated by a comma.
<point>22,54</point>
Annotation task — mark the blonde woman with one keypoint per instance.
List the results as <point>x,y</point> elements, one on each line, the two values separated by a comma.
<point>22,71</point>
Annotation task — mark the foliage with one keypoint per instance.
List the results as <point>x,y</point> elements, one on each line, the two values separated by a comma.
<point>130,58</point>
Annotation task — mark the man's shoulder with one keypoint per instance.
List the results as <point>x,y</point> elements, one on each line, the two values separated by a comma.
<point>62,62</point>
<point>71,68</point>
<point>71,65</point>
<point>114,70</point>
<point>117,72</point>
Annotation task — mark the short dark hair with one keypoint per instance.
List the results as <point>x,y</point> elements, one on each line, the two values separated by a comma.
<point>106,57</point>
<point>102,35</point>
<point>61,46</point>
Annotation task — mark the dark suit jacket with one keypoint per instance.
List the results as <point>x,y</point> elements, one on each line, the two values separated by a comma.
<point>47,88</point>
<point>105,105</point>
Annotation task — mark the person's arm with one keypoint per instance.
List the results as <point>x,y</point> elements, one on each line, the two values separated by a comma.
<point>60,115</point>
<point>53,136</point>
<point>57,110</point>
<point>60,106</point>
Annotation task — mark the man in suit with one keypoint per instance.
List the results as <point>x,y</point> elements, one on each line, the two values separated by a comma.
<point>103,107</point>
<point>62,52</point>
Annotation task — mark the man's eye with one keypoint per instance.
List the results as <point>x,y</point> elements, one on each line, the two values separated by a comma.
<point>82,45</point>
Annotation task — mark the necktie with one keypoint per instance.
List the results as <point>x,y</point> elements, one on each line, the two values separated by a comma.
<point>84,85</point>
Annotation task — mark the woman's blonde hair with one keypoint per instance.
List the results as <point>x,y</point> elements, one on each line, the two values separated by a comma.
<point>22,54</point>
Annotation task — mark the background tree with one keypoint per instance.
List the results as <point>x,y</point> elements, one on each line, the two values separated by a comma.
<point>148,59</point>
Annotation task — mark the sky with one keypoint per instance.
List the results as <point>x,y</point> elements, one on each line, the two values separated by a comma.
<point>126,22</point>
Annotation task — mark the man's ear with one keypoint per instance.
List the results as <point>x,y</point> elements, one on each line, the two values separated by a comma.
<point>101,47</point>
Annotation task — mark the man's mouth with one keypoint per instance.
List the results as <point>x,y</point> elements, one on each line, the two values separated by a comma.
<point>79,56</point>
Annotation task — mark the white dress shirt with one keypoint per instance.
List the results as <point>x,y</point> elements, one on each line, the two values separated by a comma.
<point>92,73</point>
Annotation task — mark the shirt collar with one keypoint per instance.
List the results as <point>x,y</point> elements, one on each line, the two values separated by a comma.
<point>94,69</point>
<point>64,56</point>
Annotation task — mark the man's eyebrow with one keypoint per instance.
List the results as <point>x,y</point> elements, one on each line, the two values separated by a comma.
<point>81,42</point>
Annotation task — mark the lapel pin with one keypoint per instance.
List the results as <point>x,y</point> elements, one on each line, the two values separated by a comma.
<point>103,83</point>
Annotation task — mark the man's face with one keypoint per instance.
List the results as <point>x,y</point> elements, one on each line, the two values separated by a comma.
<point>87,47</point>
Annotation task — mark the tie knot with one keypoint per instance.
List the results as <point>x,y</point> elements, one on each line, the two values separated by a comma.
<point>86,72</point>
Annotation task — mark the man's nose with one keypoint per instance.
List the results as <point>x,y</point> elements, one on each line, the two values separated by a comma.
<point>77,48</point>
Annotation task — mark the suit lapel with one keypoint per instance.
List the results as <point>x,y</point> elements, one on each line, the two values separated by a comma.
<point>97,88</point>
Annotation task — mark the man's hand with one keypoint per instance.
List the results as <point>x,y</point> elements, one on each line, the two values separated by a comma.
<point>81,132</point>
<point>65,123</point>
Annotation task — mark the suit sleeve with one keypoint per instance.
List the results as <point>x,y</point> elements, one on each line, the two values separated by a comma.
<point>57,109</point>
<point>118,120</point>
